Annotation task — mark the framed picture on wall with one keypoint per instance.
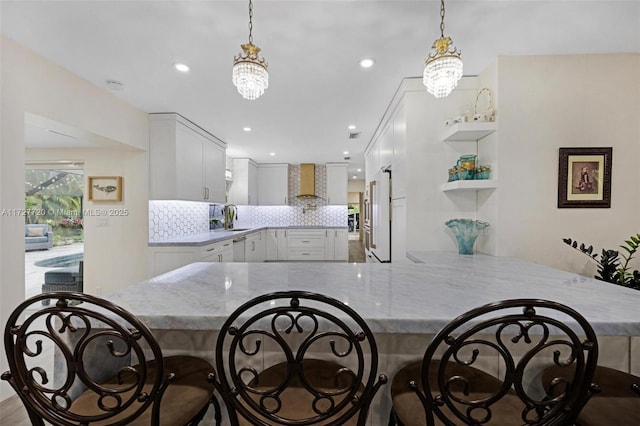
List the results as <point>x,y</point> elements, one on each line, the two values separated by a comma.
<point>584,177</point>
<point>105,188</point>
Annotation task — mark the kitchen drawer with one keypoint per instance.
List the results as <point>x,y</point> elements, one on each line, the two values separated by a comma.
<point>306,253</point>
<point>212,250</point>
<point>306,233</point>
<point>300,242</point>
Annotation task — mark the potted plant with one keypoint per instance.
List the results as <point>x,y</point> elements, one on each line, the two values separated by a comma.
<point>613,266</point>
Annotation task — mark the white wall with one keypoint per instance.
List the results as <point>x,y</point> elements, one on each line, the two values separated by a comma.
<point>542,103</point>
<point>32,85</point>
<point>548,102</point>
<point>427,162</point>
<point>355,185</point>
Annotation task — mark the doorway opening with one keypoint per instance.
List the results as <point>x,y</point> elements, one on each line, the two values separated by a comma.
<point>54,232</point>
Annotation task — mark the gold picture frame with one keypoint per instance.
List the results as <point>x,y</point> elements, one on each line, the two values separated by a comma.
<point>584,177</point>
<point>105,188</point>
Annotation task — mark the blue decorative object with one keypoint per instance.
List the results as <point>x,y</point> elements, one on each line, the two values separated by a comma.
<point>466,232</point>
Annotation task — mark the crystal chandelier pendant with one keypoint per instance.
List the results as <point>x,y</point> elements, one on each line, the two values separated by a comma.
<point>250,72</point>
<point>442,69</point>
<point>443,66</point>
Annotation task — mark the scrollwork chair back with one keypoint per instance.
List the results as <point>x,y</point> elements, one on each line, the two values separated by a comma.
<point>83,360</point>
<point>524,336</point>
<point>296,358</point>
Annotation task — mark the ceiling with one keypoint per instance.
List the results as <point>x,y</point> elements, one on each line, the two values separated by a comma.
<point>317,88</point>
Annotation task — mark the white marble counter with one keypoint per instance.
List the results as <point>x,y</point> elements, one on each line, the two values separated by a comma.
<point>407,298</point>
<point>222,235</point>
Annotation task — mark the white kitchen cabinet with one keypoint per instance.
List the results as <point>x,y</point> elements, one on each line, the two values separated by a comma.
<point>306,244</point>
<point>399,163</point>
<point>185,161</point>
<point>214,167</point>
<point>342,245</point>
<point>273,186</point>
<point>255,247</point>
<point>165,259</point>
<point>244,189</point>
<point>271,245</point>
<point>336,245</point>
<point>337,184</point>
<point>276,245</point>
<point>385,143</point>
<point>217,252</point>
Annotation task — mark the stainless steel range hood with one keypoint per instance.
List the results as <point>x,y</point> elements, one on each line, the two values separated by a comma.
<point>307,181</point>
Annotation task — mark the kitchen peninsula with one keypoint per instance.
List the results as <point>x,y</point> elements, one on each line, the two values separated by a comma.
<point>403,304</point>
<point>253,244</point>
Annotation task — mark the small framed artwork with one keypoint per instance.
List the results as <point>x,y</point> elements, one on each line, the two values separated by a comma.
<point>584,177</point>
<point>105,188</point>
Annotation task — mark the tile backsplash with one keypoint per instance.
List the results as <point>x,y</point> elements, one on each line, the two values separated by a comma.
<point>258,216</point>
<point>170,219</point>
<point>174,219</point>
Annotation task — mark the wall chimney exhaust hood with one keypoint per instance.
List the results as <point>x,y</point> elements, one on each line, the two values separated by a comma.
<point>307,181</point>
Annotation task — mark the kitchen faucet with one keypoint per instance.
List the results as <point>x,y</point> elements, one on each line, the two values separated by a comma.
<point>230,212</point>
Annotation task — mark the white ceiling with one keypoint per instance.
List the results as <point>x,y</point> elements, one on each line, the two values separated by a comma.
<point>313,48</point>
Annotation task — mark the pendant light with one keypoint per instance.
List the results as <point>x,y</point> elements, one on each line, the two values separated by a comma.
<point>250,72</point>
<point>443,66</point>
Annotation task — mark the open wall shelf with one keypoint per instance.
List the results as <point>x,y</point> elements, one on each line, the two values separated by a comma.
<point>458,185</point>
<point>471,131</point>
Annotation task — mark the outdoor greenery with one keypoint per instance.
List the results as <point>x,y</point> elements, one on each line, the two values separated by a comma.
<point>613,266</point>
<point>55,197</point>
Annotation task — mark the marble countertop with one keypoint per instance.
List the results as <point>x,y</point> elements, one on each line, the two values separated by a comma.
<point>224,234</point>
<point>392,298</point>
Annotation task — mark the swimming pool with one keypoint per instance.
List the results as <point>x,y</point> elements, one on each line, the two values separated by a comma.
<point>61,261</point>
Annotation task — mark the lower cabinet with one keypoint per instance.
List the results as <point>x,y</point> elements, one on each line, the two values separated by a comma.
<point>255,247</point>
<point>217,252</point>
<point>276,245</point>
<point>306,244</point>
<point>165,259</point>
<point>336,245</point>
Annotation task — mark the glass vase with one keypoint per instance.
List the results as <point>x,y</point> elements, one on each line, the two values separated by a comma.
<point>466,232</point>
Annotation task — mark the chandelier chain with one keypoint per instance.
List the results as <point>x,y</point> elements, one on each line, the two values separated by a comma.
<point>442,18</point>
<point>250,22</point>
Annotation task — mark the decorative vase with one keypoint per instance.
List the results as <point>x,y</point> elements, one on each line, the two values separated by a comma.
<point>466,232</point>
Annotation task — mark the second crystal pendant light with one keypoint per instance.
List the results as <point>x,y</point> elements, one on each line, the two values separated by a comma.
<point>250,72</point>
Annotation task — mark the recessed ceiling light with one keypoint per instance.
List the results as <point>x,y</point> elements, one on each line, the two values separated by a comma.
<point>352,127</point>
<point>346,153</point>
<point>273,154</point>
<point>181,67</point>
<point>355,177</point>
<point>367,63</point>
<point>246,129</point>
<point>115,85</point>
<point>359,170</point>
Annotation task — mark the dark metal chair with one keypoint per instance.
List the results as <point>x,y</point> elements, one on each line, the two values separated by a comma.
<point>89,363</point>
<point>517,340</point>
<point>617,403</point>
<point>296,358</point>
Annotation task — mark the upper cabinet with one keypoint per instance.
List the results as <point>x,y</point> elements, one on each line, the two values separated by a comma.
<point>244,189</point>
<point>273,188</point>
<point>186,162</point>
<point>337,183</point>
<point>388,150</point>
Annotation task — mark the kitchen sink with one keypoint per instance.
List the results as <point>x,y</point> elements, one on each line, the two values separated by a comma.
<point>239,229</point>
